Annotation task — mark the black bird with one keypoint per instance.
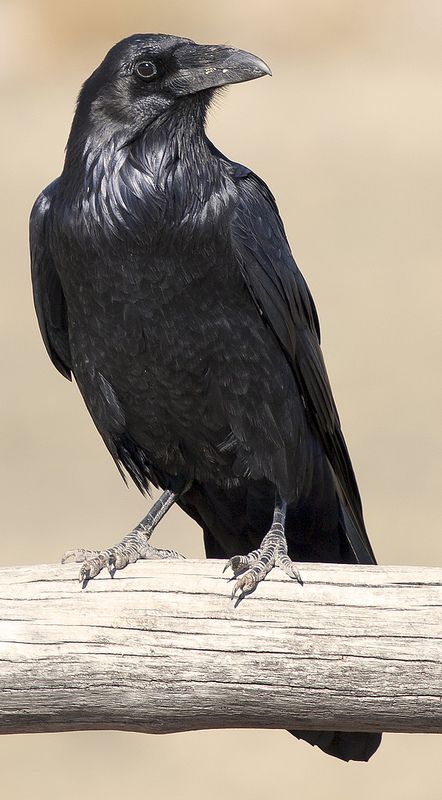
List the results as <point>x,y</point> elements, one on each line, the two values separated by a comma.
<point>164,283</point>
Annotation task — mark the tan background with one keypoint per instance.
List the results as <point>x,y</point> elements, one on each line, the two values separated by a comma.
<point>348,134</point>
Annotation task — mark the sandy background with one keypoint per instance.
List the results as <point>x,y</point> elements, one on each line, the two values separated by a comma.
<point>348,134</point>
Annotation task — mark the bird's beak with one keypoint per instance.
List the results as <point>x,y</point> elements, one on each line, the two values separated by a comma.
<point>210,66</point>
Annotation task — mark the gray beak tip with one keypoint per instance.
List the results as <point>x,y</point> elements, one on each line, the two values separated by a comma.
<point>261,65</point>
<point>266,69</point>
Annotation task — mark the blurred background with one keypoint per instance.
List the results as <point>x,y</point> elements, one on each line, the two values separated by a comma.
<point>348,135</point>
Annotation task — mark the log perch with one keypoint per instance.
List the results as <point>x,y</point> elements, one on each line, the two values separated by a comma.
<point>162,648</point>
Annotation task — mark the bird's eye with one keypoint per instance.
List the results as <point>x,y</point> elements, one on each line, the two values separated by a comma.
<point>145,70</point>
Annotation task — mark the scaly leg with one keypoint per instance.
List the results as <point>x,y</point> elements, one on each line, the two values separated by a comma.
<point>134,546</point>
<point>271,553</point>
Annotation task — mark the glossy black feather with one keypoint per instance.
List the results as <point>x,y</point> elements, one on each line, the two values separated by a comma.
<point>282,295</point>
<point>49,300</point>
<point>164,282</point>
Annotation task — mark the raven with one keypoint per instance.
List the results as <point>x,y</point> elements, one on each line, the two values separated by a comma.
<point>164,283</point>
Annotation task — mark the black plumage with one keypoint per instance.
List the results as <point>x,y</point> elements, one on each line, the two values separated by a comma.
<point>164,282</point>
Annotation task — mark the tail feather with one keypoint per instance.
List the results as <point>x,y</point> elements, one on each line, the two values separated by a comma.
<point>234,521</point>
<point>346,745</point>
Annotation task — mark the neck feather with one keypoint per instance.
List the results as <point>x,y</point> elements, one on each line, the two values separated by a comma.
<point>168,175</point>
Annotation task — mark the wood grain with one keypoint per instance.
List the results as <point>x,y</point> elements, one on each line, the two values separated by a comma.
<point>162,648</point>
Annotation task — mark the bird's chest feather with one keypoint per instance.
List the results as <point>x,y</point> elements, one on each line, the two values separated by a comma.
<point>151,283</point>
<point>159,195</point>
<point>143,254</point>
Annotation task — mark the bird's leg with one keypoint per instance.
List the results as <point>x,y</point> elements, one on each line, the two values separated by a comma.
<point>134,546</point>
<point>271,553</point>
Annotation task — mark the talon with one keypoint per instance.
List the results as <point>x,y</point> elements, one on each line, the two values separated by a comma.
<point>110,564</point>
<point>121,560</point>
<point>273,552</point>
<point>289,567</point>
<point>132,547</point>
<point>241,563</point>
<point>245,584</point>
<point>236,589</point>
<point>90,569</point>
<point>68,554</point>
<point>295,573</point>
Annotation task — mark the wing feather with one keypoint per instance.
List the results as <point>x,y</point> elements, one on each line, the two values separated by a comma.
<point>283,298</point>
<point>49,301</point>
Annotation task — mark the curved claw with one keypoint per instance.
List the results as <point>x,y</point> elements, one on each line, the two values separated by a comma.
<point>289,567</point>
<point>90,569</point>
<point>257,564</point>
<point>242,563</point>
<point>237,563</point>
<point>128,551</point>
<point>111,564</point>
<point>246,584</point>
<point>117,560</point>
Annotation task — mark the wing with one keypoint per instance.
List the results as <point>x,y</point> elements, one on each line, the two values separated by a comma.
<point>49,300</point>
<point>284,300</point>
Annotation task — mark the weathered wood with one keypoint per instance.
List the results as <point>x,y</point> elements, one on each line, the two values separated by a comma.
<point>162,648</point>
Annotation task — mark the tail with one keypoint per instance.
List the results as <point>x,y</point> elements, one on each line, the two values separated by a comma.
<point>347,745</point>
<point>342,744</point>
<point>235,521</point>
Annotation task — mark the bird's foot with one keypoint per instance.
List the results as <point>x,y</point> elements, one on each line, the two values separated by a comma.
<point>133,547</point>
<point>257,564</point>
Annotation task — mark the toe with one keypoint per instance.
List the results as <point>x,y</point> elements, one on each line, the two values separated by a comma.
<point>289,567</point>
<point>119,560</point>
<point>84,573</point>
<point>243,562</point>
<point>90,569</point>
<point>78,555</point>
<point>238,563</point>
<point>245,584</point>
<point>110,562</point>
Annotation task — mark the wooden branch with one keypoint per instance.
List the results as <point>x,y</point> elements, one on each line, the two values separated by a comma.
<point>162,648</point>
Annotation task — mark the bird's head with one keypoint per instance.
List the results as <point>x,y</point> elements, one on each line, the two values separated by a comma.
<point>146,75</point>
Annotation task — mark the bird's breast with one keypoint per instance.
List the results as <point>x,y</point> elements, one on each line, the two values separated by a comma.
<point>145,196</point>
